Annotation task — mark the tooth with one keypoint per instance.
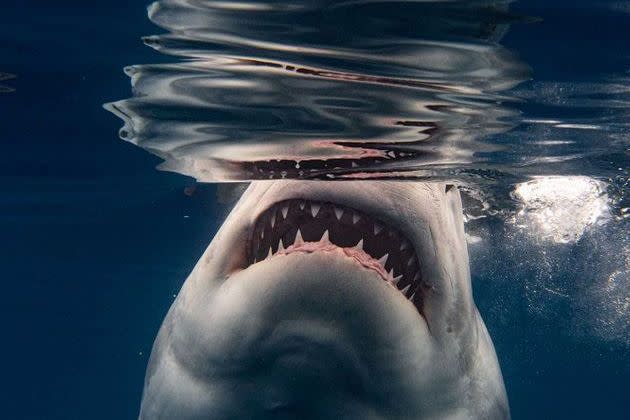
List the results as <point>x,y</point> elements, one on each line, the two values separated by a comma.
<point>405,289</point>
<point>285,211</point>
<point>262,233</point>
<point>338,213</point>
<point>273,220</point>
<point>404,245</point>
<point>324,237</point>
<point>383,259</point>
<point>411,261</point>
<point>377,228</point>
<point>298,238</point>
<point>359,244</point>
<point>354,164</point>
<point>315,209</point>
<point>391,274</point>
<point>280,246</point>
<point>416,278</point>
<point>397,279</point>
<point>355,218</point>
<point>302,204</point>
<point>270,252</point>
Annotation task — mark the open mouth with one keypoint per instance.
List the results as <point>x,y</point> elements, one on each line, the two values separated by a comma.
<point>302,225</point>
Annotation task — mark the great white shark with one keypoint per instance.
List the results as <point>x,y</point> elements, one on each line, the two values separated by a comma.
<point>329,300</point>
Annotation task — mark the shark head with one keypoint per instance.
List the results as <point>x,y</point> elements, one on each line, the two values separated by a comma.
<point>329,300</point>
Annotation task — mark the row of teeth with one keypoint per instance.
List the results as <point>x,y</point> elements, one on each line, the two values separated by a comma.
<point>359,246</point>
<point>339,212</point>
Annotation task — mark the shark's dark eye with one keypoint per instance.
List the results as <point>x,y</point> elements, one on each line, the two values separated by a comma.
<point>291,221</point>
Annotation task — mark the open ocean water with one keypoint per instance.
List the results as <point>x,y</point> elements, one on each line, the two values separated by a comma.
<point>523,104</point>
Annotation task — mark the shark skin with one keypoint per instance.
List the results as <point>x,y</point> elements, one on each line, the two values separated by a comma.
<point>318,326</point>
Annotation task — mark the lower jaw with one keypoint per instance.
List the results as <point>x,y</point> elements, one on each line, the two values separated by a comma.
<point>364,271</point>
<point>360,257</point>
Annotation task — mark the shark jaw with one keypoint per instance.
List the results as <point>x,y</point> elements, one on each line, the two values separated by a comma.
<point>307,226</point>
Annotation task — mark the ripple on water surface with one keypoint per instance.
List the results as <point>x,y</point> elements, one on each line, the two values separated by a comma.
<point>313,89</point>
<point>361,89</point>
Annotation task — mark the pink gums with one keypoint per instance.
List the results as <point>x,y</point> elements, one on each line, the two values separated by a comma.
<point>364,259</point>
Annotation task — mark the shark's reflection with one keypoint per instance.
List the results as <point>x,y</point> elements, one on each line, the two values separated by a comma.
<point>321,300</point>
<point>314,89</point>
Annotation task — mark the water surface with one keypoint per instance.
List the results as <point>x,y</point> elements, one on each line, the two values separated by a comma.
<point>364,89</point>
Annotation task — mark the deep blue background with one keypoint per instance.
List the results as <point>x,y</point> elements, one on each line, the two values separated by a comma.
<point>95,242</point>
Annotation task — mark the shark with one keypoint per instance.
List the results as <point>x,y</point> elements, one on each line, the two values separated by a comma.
<point>324,299</point>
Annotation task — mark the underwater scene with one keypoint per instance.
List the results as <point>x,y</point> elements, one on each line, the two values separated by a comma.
<point>313,209</point>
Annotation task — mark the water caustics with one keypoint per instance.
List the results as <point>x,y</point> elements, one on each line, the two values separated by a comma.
<point>325,89</point>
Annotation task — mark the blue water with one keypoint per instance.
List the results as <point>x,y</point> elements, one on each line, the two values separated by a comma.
<point>96,242</point>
